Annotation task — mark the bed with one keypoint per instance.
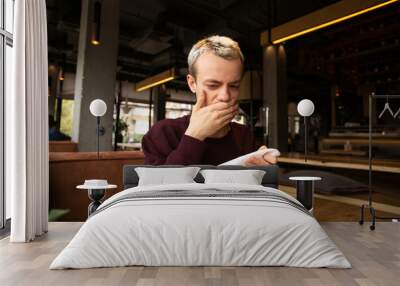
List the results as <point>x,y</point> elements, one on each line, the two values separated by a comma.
<point>201,224</point>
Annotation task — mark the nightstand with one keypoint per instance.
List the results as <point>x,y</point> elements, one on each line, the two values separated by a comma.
<point>305,191</point>
<point>96,191</point>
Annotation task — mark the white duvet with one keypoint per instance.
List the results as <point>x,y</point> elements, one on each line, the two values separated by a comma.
<point>192,231</point>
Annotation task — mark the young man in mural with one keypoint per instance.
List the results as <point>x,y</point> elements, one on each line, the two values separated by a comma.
<point>208,135</point>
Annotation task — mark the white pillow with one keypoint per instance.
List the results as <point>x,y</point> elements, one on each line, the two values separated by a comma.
<point>249,177</point>
<point>162,176</point>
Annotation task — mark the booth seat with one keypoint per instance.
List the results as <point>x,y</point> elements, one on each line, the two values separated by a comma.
<point>63,146</point>
<point>70,169</point>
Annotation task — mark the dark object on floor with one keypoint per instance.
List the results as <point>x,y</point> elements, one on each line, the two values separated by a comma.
<point>329,185</point>
<point>56,214</point>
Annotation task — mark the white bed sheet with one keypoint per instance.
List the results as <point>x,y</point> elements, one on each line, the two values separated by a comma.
<point>200,231</point>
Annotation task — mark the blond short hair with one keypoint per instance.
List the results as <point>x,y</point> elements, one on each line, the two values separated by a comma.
<point>221,46</point>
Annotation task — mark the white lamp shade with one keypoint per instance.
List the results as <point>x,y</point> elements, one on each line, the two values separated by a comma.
<point>98,107</point>
<point>305,107</point>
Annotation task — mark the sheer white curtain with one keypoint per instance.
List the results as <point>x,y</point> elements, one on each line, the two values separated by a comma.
<point>27,124</point>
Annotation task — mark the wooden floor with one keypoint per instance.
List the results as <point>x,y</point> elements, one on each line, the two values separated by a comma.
<point>375,257</point>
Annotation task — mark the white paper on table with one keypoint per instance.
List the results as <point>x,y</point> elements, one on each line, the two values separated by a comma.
<point>259,154</point>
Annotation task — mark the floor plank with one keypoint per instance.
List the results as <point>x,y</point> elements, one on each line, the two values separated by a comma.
<point>375,256</point>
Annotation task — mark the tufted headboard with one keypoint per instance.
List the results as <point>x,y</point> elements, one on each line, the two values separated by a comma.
<point>270,179</point>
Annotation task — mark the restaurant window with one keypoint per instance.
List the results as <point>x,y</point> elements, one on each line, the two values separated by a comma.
<point>177,109</point>
<point>133,124</point>
<point>134,121</point>
<point>67,113</point>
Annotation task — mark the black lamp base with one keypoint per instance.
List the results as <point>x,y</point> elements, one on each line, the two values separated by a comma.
<point>95,195</point>
<point>305,194</point>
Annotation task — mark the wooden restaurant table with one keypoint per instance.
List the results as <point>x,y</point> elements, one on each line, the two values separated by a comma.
<point>130,146</point>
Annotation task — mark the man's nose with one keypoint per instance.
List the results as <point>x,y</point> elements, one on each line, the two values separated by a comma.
<point>224,94</point>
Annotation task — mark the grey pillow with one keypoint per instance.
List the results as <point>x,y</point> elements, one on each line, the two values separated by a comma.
<point>162,176</point>
<point>248,177</point>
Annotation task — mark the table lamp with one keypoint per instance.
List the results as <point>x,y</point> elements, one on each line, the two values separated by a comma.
<point>305,108</point>
<point>98,108</point>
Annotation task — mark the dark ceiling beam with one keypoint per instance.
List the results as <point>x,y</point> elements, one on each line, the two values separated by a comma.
<point>126,51</point>
<point>150,65</point>
<point>131,64</point>
<point>131,72</point>
<point>217,15</point>
<point>256,13</point>
<point>137,16</point>
<point>179,18</point>
<point>232,4</point>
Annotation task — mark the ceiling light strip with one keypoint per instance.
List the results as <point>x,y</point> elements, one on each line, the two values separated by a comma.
<point>156,83</point>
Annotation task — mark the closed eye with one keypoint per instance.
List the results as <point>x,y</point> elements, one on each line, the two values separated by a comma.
<point>212,86</point>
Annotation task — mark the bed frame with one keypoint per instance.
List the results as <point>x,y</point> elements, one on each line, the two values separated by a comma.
<point>270,179</point>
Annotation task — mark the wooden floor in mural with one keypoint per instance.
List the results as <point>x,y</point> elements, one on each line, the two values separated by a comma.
<point>374,255</point>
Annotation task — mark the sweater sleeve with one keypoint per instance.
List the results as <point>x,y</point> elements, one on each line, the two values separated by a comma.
<point>161,146</point>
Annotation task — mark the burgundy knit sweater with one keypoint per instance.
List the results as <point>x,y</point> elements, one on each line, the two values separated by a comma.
<point>166,143</point>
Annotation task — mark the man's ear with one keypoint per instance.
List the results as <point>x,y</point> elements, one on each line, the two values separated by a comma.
<point>191,82</point>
